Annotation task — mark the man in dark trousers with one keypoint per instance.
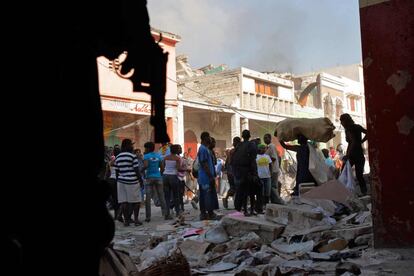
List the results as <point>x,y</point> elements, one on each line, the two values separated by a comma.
<point>303,174</point>
<point>244,170</point>
<point>206,179</point>
<point>354,151</point>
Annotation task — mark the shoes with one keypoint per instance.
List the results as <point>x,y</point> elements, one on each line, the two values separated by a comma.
<point>203,217</point>
<point>138,223</point>
<point>246,214</point>
<point>225,203</point>
<point>147,220</point>
<point>212,216</point>
<point>169,217</point>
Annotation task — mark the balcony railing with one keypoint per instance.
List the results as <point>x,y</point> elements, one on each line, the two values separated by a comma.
<point>266,104</point>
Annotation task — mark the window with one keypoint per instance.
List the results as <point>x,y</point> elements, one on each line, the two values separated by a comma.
<point>265,88</point>
<point>352,104</point>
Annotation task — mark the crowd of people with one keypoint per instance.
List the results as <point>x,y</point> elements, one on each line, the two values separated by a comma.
<point>249,172</point>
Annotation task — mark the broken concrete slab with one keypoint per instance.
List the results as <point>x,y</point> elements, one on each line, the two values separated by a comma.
<point>364,239</point>
<point>296,266</point>
<point>237,256</point>
<point>327,205</point>
<point>349,233</point>
<point>216,234</point>
<point>294,248</point>
<point>366,199</point>
<point>293,215</point>
<point>333,190</point>
<point>250,240</point>
<point>364,217</point>
<point>240,226</point>
<point>335,244</point>
<point>356,204</point>
<point>219,267</point>
<point>313,233</point>
<point>326,256</point>
<point>193,249</point>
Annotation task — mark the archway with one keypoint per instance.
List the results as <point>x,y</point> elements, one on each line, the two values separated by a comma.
<point>190,143</point>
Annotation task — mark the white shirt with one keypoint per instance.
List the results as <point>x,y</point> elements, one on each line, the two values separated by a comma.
<point>263,161</point>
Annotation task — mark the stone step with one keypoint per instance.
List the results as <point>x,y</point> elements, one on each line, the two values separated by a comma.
<point>297,215</point>
<point>240,226</point>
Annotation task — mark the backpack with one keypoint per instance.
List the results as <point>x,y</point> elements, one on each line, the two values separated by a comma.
<point>195,168</point>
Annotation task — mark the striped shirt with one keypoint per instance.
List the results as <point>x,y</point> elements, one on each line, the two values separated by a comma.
<point>125,163</point>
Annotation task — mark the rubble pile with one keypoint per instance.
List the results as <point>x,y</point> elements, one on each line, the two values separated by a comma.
<point>305,236</point>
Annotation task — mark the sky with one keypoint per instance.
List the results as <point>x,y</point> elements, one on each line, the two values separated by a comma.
<point>295,36</point>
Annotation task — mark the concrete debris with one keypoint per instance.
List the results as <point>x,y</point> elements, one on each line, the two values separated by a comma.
<point>356,204</point>
<point>216,234</point>
<point>250,240</point>
<point>364,239</point>
<point>237,257</point>
<point>193,249</point>
<point>297,265</point>
<point>335,244</point>
<point>295,216</point>
<point>294,248</point>
<point>305,236</point>
<point>349,232</point>
<point>364,217</point>
<point>162,250</point>
<point>332,190</point>
<point>239,226</point>
<point>219,267</point>
<point>345,267</point>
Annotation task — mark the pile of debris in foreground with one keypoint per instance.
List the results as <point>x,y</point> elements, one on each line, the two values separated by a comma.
<point>307,235</point>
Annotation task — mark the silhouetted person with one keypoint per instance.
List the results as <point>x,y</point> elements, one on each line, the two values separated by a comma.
<point>62,226</point>
<point>303,174</point>
<point>244,170</point>
<point>354,151</point>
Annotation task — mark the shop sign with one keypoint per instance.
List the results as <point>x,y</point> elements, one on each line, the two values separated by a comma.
<point>127,107</point>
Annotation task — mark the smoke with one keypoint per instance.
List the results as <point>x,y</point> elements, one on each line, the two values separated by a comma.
<point>266,35</point>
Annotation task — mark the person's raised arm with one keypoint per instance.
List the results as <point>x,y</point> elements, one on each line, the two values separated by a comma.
<point>288,147</point>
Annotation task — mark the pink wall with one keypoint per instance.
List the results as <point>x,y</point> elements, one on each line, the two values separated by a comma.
<point>113,86</point>
<point>388,54</point>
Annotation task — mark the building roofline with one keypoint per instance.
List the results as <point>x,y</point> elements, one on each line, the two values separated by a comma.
<point>167,35</point>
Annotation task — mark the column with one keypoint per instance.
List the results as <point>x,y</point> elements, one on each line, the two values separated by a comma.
<point>387,49</point>
<point>179,125</point>
<point>244,123</point>
<point>235,125</point>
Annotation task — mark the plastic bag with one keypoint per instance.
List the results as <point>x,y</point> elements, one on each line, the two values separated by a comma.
<point>317,165</point>
<point>347,178</point>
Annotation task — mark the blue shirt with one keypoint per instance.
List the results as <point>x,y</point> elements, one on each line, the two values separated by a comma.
<point>204,156</point>
<point>154,161</point>
<point>329,162</point>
